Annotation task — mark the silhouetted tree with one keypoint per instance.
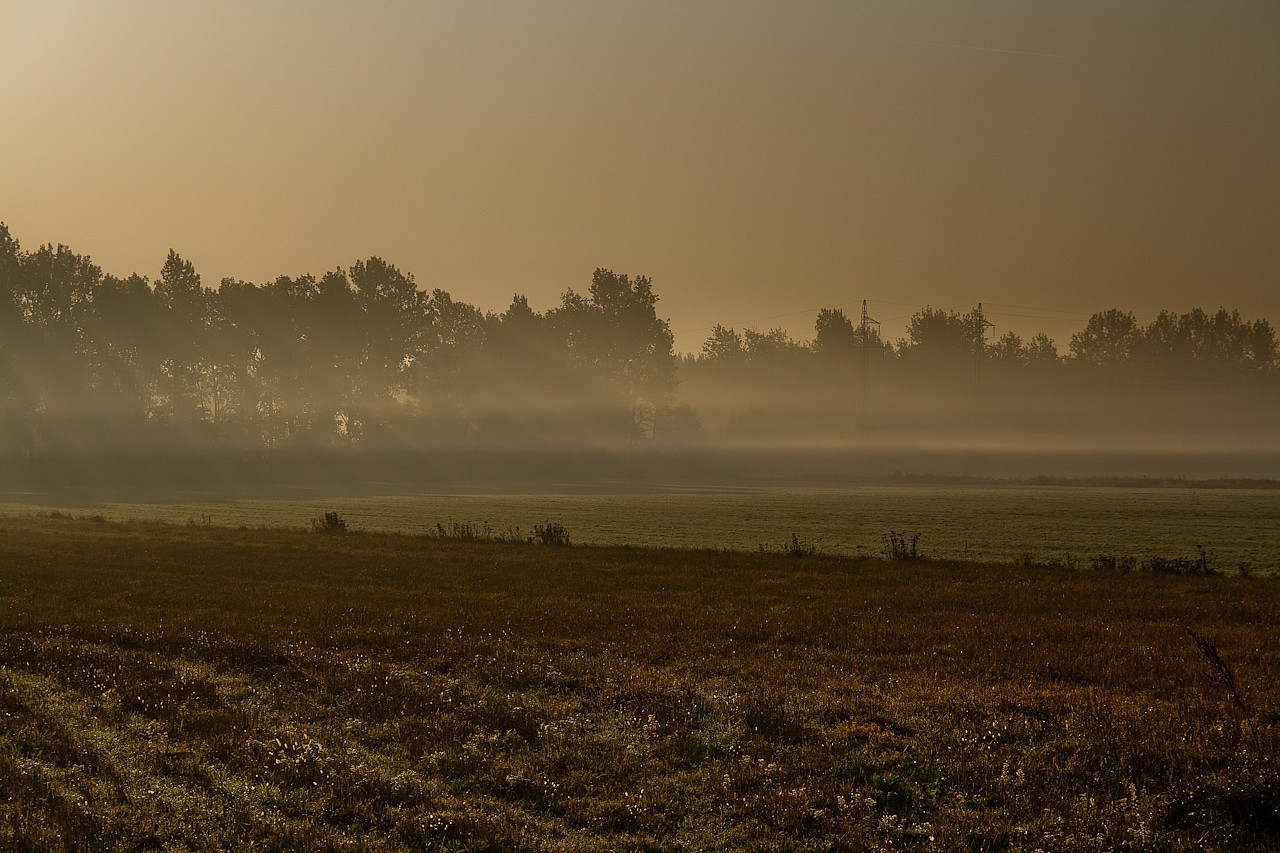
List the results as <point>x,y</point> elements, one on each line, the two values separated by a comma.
<point>447,368</point>
<point>122,334</point>
<point>724,345</point>
<point>181,334</point>
<point>834,334</point>
<point>16,401</point>
<point>940,337</point>
<point>1199,339</point>
<point>1008,350</point>
<point>615,330</point>
<point>394,328</point>
<point>774,347</point>
<point>1109,338</point>
<point>1042,351</point>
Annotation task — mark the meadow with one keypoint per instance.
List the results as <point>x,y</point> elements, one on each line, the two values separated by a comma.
<point>1066,524</point>
<point>173,687</point>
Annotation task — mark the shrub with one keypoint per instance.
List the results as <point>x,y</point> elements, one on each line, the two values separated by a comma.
<point>1112,563</point>
<point>462,532</point>
<point>550,534</point>
<point>1198,565</point>
<point>330,522</point>
<point>897,547</point>
<point>798,547</point>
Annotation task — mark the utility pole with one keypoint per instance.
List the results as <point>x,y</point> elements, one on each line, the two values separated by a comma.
<point>864,335</point>
<point>980,327</point>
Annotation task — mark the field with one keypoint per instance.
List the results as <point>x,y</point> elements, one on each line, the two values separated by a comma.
<point>200,688</point>
<point>1041,523</point>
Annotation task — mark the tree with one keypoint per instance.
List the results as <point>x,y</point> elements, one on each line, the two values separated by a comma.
<point>14,394</point>
<point>723,345</point>
<point>940,336</point>
<point>1042,351</point>
<point>446,370</point>
<point>56,289</point>
<point>1197,338</point>
<point>122,333</point>
<point>336,331</point>
<point>1109,338</point>
<point>1263,351</point>
<point>834,334</point>
<point>774,347</point>
<point>1008,350</point>
<point>616,332</point>
<point>182,335</point>
<point>395,331</point>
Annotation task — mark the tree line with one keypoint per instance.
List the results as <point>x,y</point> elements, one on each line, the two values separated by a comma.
<point>363,356</point>
<point>1110,339</point>
<point>358,355</point>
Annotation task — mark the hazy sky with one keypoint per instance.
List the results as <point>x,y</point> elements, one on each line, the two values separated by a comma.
<point>758,160</point>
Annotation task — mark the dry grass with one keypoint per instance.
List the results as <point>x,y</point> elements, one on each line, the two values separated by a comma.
<point>201,688</point>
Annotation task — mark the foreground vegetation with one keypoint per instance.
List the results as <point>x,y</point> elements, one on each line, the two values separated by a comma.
<point>181,688</point>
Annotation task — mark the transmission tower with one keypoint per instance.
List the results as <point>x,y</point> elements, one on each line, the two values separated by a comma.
<point>980,327</point>
<point>864,335</point>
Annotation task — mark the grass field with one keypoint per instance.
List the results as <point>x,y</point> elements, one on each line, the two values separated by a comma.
<point>197,688</point>
<point>993,523</point>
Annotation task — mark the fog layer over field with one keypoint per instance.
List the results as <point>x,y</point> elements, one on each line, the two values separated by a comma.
<point>360,374</point>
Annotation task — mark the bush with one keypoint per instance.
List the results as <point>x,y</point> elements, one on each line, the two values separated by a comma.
<point>798,547</point>
<point>330,522</point>
<point>896,547</point>
<point>462,532</point>
<point>1112,563</point>
<point>1198,565</point>
<point>550,534</point>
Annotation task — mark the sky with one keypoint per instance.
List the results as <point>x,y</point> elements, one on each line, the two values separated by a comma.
<point>757,160</point>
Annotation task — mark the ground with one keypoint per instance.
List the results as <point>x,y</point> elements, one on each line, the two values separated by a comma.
<point>196,688</point>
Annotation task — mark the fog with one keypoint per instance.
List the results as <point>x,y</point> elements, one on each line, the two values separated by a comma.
<point>359,377</point>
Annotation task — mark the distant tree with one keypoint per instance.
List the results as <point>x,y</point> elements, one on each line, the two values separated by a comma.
<point>337,334</point>
<point>181,331</point>
<point>1166,339</point>
<point>1042,351</point>
<point>1263,350</point>
<point>122,333</point>
<point>1109,338</point>
<point>519,314</point>
<point>238,343</point>
<point>56,289</point>
<point>528,386</point>
<point>1008,350</point>
<point>395,331</point>
<point>615,330</point>
<point>179,289</point>
<point>1194,339</point>
<point>773,346</point>
<point>447,369</point>
<point>15,399</point>
<point>1198,338</point>
<point>939,336</point>
<point>287,361</point>
<point>834,335</point>
<point>723,345</point>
